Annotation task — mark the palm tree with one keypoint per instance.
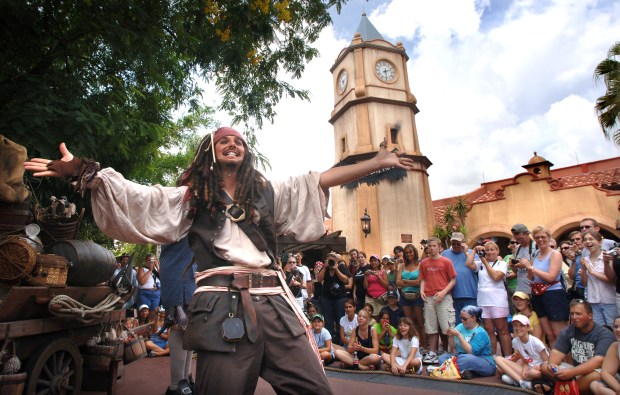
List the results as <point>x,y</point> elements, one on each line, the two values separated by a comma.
<point>608,105</point>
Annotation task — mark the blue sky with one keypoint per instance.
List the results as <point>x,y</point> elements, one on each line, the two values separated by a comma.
<point>495,81</point>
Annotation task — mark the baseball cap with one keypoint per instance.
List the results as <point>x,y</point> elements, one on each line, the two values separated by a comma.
<point>519,228</point>
<point>521,318</point>
<point>376,256</point>
<point>521,295</point>
<point>457,236</point>
<point>385,257</point>
<point>143,306</point>
<point>317,317</point>
<point>392,294</point>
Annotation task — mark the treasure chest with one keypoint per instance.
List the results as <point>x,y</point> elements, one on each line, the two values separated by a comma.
<point>50,270</point>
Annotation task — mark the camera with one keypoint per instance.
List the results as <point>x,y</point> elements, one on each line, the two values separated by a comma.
<point>514,261</point>
<point>482,253</point>
<point>423,242</point>
<point>331,262</point>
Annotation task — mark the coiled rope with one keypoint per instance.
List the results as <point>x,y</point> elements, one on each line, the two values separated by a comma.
<point>66,306</point>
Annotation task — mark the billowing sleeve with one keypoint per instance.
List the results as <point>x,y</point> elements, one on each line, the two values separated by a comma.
<point>300,207</point>
<point>135,213</point>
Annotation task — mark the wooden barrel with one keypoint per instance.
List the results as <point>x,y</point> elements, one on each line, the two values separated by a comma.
<point>89,263</point>
<point>134,350</point>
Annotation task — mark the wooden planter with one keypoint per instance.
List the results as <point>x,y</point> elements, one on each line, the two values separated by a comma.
<point>12,384</point>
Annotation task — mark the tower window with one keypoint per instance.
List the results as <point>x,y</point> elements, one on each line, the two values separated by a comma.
<point>343,144</point>
<point>537,170</point>
<point>394,135</point>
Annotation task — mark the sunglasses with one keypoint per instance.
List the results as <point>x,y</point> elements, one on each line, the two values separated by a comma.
<point>513,242</point>
<point>565,248</point>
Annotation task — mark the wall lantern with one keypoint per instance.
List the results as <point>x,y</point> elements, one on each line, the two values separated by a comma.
<point>365,223</point>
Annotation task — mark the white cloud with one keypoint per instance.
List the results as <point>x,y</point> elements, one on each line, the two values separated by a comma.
<point>493,86</point>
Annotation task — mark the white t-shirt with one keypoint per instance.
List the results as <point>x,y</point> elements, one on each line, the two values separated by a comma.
<point>322,337</point>
<point>348,326</point>
<point>530,351</point>
<point>305,272</point>
<point>490,292</point>
<point>405,345</point>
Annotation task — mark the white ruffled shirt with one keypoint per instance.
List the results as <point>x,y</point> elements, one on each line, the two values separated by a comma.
<point>135,213</point>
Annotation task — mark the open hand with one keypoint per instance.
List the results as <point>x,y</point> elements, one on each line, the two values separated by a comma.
<point>39,165</point>
<point>392,159</point>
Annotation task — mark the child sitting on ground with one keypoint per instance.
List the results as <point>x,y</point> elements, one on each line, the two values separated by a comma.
<point>529,353</point>
<point>405,355</point>
<point>323,339</point>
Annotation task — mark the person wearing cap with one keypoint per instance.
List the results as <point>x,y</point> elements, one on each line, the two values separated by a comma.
<point>144,313</point>
<point>465,291</point>
<point>376,284</point>
<point>525,254</point>
<point>385,259</point>
<point>393,309</point>
<point>530,352</point>
<point>586,342</point>
<point>523,305</point>
<point>232,215</point>
<point>323,338</point>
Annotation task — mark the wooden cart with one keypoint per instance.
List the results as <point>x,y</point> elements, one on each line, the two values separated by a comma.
<point>48,345</point>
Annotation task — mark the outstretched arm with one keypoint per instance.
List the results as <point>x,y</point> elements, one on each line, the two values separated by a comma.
<point>344,174</point>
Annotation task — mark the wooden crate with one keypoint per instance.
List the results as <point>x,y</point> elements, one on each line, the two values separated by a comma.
<point>50,270</point>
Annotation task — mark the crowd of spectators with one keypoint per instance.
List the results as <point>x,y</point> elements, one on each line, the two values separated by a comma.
<point>544,312</point>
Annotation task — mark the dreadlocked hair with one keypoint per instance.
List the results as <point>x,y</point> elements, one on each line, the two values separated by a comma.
<point>204,182</point>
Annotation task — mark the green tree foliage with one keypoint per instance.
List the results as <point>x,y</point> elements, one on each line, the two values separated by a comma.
<point>110,77</point>
<point>107,76</point>
<point>608,105</point>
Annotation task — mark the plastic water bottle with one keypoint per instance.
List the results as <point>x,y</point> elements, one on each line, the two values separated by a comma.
<point>356,361</point>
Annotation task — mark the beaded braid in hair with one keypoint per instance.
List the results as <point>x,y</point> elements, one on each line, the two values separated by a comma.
<point>205,184</point>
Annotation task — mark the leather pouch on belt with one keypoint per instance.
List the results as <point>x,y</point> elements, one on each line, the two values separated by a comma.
<point>207,311</point>
<point>287,315</point>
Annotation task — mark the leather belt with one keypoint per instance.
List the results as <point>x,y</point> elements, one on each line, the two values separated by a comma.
<point>243,282</point>
<point>240,281</point>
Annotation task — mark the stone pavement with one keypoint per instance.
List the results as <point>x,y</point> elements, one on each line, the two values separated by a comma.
<point>152,376</point>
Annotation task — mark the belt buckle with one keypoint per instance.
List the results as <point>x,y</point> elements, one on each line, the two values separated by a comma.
<point>258,276</point>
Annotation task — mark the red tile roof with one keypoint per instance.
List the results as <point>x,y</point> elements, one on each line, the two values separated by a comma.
<point>602,175</point>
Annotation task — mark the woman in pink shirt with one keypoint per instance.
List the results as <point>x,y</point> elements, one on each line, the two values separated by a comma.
<point>376,283</point>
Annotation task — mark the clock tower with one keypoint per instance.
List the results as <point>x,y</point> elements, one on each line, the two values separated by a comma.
<point>373,102</point>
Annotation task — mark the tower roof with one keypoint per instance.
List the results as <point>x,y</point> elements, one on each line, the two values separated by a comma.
<point>367,30</point>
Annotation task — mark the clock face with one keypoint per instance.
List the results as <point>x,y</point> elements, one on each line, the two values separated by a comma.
<point>343,78</point>
<point>385,70</point>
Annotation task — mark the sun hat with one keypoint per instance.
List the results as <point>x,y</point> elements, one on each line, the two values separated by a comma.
<point>521,295</point>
